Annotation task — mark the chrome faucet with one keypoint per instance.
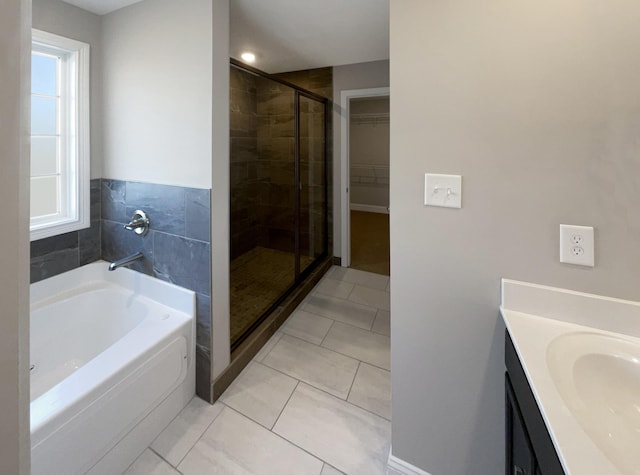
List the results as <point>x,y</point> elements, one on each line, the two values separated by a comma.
<point>125,261</point>
<point>139,223</point>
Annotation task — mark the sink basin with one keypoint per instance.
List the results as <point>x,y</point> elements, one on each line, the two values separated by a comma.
<point>598,377</point>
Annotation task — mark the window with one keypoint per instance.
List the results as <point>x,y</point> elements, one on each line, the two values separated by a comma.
<point>59,135</point>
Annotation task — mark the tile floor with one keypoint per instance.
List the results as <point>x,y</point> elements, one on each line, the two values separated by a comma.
<point>315,400</point>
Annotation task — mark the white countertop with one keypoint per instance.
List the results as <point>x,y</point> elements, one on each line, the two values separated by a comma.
<point>536,316</point>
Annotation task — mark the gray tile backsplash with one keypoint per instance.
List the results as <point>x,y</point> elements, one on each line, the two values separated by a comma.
<point>177,248</point>
<point>118,242</point>
<point>54,255</point>
<point>182,261</point>
<point>165,205</point>
<point>112,200</point>
<point>198,214</point>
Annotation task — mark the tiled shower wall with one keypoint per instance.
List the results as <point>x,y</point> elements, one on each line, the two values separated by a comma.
<point>245,232</point>
<point>177,248</point>
<point>276,164</point>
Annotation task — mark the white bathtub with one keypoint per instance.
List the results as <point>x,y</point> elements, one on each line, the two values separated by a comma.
<point>113,361</point>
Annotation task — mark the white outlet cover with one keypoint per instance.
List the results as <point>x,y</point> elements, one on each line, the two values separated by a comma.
<point>576,245</point>
<point>443,190</point>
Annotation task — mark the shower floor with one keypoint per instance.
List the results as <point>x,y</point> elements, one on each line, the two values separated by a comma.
<point>258,278</point>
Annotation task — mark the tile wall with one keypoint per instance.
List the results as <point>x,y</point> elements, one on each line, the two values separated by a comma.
<point>245,231</point>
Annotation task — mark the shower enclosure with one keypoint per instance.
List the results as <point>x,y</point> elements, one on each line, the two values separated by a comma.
<point>278,192</point>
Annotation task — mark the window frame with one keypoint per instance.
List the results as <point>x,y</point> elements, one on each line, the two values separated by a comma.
<point>73,122</point>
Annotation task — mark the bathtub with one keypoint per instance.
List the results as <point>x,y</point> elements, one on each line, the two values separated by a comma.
<point>112,362</point>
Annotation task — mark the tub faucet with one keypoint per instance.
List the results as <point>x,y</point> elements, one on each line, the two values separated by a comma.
<point>125,261</point>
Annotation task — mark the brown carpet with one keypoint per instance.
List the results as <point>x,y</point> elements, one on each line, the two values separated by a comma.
<point>258,278</point>
<point>370,242</point>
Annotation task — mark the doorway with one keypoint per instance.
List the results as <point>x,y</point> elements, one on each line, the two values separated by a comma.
<point>365,173</point>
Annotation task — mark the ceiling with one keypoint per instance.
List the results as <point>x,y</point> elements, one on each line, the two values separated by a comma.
<point>289,35</point>
<point>101,7</point>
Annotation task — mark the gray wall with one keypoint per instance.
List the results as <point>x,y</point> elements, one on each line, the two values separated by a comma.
<point>351,76</point>
<point>537,106</point>
<point>157,92</point>
<point>219,136</point>
<point>55,16</point>
<point>15,60</point>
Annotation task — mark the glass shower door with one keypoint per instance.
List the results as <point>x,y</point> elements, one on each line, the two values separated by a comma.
<point>263,198</point>
<point>312,229</point>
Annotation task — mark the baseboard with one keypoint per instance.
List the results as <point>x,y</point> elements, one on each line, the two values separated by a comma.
<point>369,208</point>
<point>396,466</point>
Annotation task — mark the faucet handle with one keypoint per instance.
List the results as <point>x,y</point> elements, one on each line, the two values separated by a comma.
<point>139,223</point>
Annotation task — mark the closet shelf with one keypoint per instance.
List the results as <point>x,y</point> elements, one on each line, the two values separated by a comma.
<point>369,175</point>
<point>370,118</point>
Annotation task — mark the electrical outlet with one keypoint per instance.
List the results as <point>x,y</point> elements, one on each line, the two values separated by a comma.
<point>576,245</point>
<point>577,239</point>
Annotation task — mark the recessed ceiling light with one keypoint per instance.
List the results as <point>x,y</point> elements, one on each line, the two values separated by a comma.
<point>248,57</point>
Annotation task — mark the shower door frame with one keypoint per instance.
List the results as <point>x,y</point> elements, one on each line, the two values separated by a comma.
<point>299,275</point>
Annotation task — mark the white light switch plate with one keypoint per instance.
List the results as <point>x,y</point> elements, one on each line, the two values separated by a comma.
<point>443,190</point>
<point>576,245</point>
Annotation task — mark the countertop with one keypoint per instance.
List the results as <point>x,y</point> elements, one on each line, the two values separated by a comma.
<point>536,316</point>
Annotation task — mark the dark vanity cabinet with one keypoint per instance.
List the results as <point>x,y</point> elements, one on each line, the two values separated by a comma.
<point>529,449</point>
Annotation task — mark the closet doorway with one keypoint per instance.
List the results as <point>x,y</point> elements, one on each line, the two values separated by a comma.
<point>365,175</point>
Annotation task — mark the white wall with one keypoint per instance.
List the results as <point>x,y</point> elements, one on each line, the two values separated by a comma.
<point>157,92</point>
<point>537,105</point>
<point>352,76</point>
<point>72,22</point>
<point>15,60</point>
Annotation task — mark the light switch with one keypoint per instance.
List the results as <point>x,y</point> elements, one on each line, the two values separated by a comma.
<point>443,190</point>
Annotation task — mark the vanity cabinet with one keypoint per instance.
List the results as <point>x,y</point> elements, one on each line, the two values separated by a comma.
<point>529,448</point>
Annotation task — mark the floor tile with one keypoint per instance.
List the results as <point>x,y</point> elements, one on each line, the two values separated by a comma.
<point>150,464</point>
<point>264,351</point>
<point>372,390</point>
<point>320,367</point>
<point>307,326</point>
<point>345,436</point>
<point>334,288</point>
<point>329,470</point>
<point>368,279</point>
<point>360,344</point>
<point>183,432</point>
<point>234,444</point>
<point>259,393</point>
<point>388,289</point>
<point>382,323</point>
<point>341,310</point>
<point>370,297</point>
